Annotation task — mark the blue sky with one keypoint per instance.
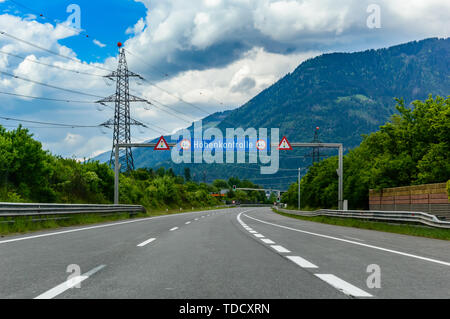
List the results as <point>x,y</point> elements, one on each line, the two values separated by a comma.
<point>101,20</point>
<point>214,54</point>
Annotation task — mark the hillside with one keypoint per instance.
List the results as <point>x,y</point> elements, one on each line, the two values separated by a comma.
<point>345,94</point>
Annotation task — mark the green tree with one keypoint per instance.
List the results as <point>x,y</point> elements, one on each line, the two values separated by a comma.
<point>221,184</point>
<point>187,174</point>
<point>413,148</point>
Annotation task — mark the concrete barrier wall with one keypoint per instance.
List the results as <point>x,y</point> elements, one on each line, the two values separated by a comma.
<point>428,198</point>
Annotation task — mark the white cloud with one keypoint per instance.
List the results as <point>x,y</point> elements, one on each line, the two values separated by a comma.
<point>137,28</point>
<point>73,139</point>
<point>210,86</point>
<point>421,18</point>
<point>286,20</point>
<point>98,43</point>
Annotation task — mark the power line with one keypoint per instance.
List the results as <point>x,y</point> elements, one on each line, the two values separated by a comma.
<point>161,72</point>
<point>177,97</point>
<point>48,85</point>
<point>53,52</point>
<point>74,101</point>
<point>45,98</point>
<point>49,127</point>
<point>41,15</point>
<point>73,91</point>
<point>167,106</point>
<point>46,123</point>
<point>50,65</point>
<point>148,64</point>
<point>98,67</point>
<point>26,7</point>
<point>166,111</point>
<point>86,73</point>
<point>67,57</point>
<point>161,130</point>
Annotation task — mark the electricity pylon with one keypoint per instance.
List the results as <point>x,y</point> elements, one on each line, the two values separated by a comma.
<point>315,151</point>
<point>122,120</point>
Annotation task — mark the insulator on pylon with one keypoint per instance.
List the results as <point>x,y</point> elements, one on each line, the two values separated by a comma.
<point>108,81</point>
<point>103,129</point>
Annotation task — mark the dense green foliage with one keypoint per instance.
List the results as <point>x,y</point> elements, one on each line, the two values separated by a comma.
<point>163,189</point>
<point>243,196</point>
<point>413,148</point>
<point>345,94</point>
<point>30,174</point>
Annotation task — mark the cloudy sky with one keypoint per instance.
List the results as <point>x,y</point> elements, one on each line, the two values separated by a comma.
<point>197,56</point>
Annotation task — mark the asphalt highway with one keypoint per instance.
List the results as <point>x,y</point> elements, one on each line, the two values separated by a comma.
<point>226,253</point>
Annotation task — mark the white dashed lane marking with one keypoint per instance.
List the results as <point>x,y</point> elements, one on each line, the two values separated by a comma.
<point>353,242</point>
<point>148,241</point>
<point>280,249</point>
<point>343,286</point>
<point>331,279</point>
<point>174,228</point>
<point>301,262</point>
<point>70,283</point>
<point>267,241</point>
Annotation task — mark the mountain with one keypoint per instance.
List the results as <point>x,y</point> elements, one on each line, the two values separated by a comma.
<point>345,94</point>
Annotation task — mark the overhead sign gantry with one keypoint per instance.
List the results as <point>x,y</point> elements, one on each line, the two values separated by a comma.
<point>283,145</point>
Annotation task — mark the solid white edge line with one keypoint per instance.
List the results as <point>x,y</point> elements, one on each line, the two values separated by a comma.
<point>146,219</point>
<point>174,228</point>
<point>280,249</point>
<point>354,242</point>
<point>52,293</point>
<point>301,262</point>
<point>148,241</point>
<point>343,286</point>
<point>267,241</point>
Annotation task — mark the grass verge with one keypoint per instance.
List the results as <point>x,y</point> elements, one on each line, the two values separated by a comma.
<point>404,229</point>
<point>20,225</point>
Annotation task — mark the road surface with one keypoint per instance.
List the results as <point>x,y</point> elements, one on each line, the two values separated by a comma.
<point>226,253</point>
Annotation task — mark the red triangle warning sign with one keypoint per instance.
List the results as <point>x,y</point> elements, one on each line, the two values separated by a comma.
<point>162,145</point>
<point>284,144</point>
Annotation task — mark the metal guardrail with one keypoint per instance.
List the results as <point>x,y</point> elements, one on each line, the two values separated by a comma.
<point>395,216</point>
<point>39,209</point>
